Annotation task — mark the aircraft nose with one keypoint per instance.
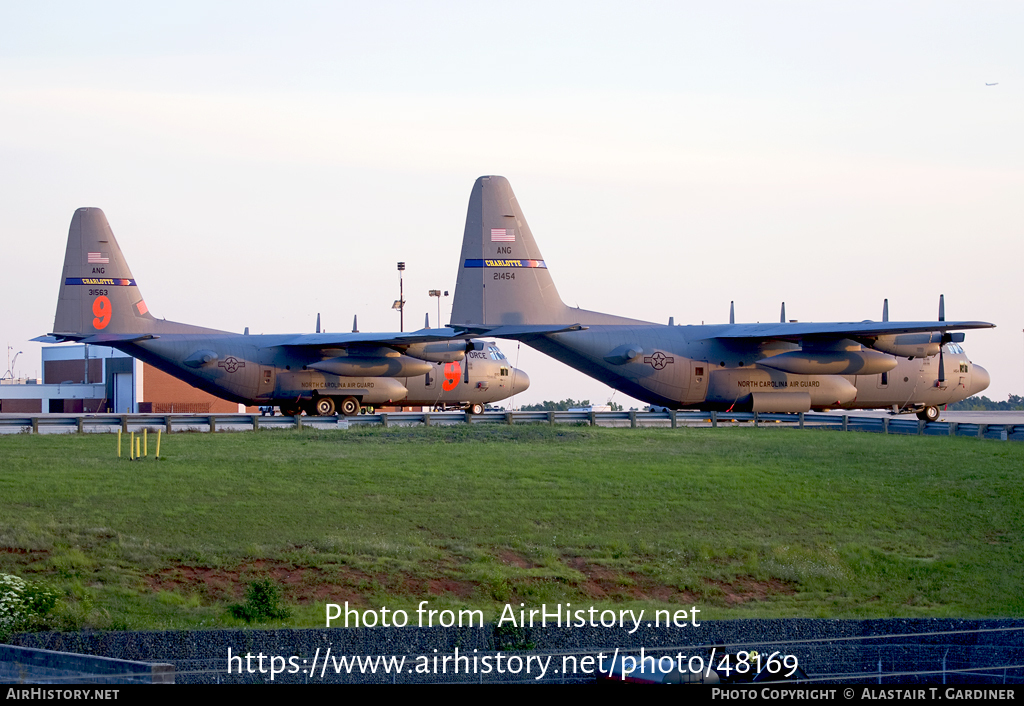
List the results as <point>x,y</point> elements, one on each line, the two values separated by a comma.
<point>979,379</point>
<point>520,381</point>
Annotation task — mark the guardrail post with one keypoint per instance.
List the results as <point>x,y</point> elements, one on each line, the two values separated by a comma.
<point>167,424</point>
<point>920,427</point>
<point>593,420</point>
<point>551,418</point>
<point>982,428</point>
<point>35,425</point>
<point>632,419</point>
<point>213,423</point>
<point>508,417</point>
<point>846,422</point>
<point>755,420</point>
<point>426,419</point>
<point>255,422</point>
<point>952,428</point>
<point>1004,435</point>
<point>384,419</point>
<point>714,419</point>
<point>298,420</point>
<point>672,416</point>
<point>885,425</point>
<point>124,423</point>
<point>801,420</point>
<point>80,420</point>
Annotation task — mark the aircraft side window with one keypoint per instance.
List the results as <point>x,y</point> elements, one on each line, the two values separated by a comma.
<point>698,371</point>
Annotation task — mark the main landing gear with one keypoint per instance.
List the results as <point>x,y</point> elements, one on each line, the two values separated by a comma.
<point>929,414</point>
<point>322,406</point>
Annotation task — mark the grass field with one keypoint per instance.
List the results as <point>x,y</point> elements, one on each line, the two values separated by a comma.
<point>739,522</point>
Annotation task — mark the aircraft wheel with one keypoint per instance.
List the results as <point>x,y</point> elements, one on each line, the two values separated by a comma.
<point>350,406</point>
<point>476,408</point>
<point>324,406</point>
<point>290,410</point>
<point>929,414</point>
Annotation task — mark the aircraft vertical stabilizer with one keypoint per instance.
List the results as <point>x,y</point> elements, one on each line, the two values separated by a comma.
<point>98,294</point>
<point>503,279</point>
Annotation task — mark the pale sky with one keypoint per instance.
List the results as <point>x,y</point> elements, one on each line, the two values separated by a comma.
<point>260,163</point>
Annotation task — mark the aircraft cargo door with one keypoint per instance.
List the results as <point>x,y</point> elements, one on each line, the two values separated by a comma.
<point>698,389</point>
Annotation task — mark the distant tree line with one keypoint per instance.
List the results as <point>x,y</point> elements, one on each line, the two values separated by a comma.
<point>568,403</point>
<point>982,403</point>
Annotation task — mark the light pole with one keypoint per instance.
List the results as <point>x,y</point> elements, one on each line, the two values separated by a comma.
<point>401,298</point>
<point>437,293</point>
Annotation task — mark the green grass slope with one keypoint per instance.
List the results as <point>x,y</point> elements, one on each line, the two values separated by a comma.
<point>738,522</point>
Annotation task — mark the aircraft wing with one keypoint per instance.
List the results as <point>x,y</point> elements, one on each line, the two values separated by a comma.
<point>340,340</point>
<point>800,330</point>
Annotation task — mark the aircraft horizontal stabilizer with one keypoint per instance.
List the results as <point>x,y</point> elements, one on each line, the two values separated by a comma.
<point>326,340</point>
<point>519,332</point>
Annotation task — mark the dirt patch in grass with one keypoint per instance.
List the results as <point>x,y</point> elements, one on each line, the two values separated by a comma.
<point>744,589</point>
<point>303,585</point>
<point>602,582</point>
<point>507,556</point>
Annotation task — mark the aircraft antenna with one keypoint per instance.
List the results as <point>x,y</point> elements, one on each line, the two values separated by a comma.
<point>318,322</point>
<point>885,310</point>
<point>355,323</point>
<point>782,316</point>
<point>942,307</point>
<point>426,320</point>
<point>732,312</point>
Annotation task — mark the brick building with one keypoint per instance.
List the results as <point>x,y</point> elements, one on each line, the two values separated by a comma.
<point>80,378</point>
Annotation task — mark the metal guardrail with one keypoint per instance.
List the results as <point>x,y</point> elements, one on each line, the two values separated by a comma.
<point>81,423</point>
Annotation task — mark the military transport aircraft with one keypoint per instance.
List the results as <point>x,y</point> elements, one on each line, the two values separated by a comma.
<point>504,290</point>
<point>100,303</point>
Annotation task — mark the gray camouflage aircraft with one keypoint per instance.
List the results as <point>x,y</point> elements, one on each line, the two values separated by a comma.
<point>318,373</point>
<point>504,290</point>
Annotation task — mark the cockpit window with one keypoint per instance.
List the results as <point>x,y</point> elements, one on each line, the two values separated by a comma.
<point>495,353</point>
<point>954,348</point>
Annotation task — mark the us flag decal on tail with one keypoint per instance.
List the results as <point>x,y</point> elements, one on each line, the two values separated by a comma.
<point>503,235</point>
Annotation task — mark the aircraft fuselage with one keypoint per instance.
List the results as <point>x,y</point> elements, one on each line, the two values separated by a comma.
<point>691,367</point>
<point>260,370</point>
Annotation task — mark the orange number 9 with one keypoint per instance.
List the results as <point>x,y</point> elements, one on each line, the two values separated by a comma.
<point>451,376</point>
<point>102,310</point>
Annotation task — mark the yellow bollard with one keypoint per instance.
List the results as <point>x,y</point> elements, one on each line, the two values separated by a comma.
<point>145,443</point>
<point>131,447</point>
<point>119,443</point>
<point>138,447</point>
<point>158,442</point>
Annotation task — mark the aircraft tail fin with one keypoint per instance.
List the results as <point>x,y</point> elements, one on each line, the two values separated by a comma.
<point>503,279</point>
<point>98,294</point>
